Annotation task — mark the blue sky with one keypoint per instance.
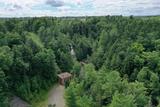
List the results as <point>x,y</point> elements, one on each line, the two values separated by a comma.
<point>26,8</point>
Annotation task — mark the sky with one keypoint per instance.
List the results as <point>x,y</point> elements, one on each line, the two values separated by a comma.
<point>58,8</point>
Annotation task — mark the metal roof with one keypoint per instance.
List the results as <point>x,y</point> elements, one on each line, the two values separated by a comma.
<point>64,75</point>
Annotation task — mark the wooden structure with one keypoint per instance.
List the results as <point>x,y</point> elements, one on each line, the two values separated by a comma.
<point>64,77</point>
<point>82,63</point>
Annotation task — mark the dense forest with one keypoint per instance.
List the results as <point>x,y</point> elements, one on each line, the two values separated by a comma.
<point>116,60</point>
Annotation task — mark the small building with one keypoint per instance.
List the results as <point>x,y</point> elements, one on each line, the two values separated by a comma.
<point>64,77</point>
<point>82,63</point>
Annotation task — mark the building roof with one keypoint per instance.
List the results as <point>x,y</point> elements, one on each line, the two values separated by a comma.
<point>64,75</point>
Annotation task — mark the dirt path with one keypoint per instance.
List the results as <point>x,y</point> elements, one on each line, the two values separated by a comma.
<point>18,102</point>
<point>56,96</point>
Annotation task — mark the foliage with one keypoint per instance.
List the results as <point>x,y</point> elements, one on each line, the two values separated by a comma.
<point>124,53</point>
<point>3,90</point>
<point>109,89</point>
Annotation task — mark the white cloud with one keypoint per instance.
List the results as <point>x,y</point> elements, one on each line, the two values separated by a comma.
<point>14,8</point>
<point>22,2</point>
